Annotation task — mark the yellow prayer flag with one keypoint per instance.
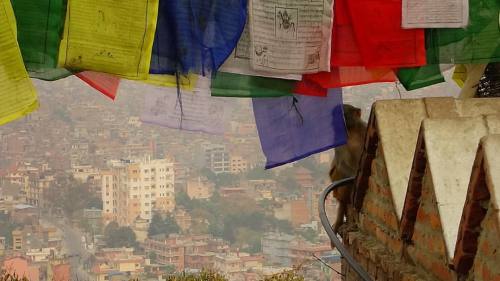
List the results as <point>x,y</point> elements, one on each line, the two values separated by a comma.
<point>459,75</point>
<point>109,36</point>
<point>185,82</point>
<point>17,93</point>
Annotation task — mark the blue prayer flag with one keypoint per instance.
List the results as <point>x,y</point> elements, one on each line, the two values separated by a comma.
<point>196,35</point>
<point>294,127</point>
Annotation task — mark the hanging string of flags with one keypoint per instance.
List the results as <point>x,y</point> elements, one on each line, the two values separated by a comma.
<point>288,56</point>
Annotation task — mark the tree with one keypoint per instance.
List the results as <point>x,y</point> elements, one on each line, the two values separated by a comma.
<point>182,199</point>
<point>116,236</point>
<point>165,226</point>
<point>6,228</point>
<point>309,234</point>
<point>72,196</point>
<point>259,173</point>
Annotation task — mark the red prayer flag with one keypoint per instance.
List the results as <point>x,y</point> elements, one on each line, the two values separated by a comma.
<point>346,60</point>
<point>381,39</point>
<point>105,83</point>
<point>345,51</point>
<point>318,84</point>
<point>309,88</point>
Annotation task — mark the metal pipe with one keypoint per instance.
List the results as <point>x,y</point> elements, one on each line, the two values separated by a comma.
<point>329,230</point>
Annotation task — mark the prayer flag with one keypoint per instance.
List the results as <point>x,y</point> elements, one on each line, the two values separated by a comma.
<point>110,37</point>
<point>243,86</point>
<point>39,27</point>
<point>294,127</point>
<point>381,39</point>
<point>347,63</point>
<point>290,36</point>
<point>107,84</point>
<point>195,111</point>
<point>197,35</point>
<point>17,94</point>
<point>478,43</point>
<point>419,77</point>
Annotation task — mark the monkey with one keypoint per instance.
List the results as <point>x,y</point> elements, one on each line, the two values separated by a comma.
<point>346,161</point>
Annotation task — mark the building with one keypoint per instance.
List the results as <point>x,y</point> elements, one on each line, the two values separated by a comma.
<point>117,261</point>
<point>238,164</point>
<point>134,189</point>
<point>186,252</point>
<point>17,240</point>
<point>235,265</point>
<point>302,251</point>
<point>183,219</point>
<point>276,248</point>
<point>199,188</point>
<point>82,173</point>
<point>21,267</point>
<point>217,158</point>
<point>296,211</point>
<point>35,181</point>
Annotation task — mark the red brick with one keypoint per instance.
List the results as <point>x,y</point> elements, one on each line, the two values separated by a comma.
<point>441,271</point>
<point>435,221</point>
<point>486,273</point>
<point>422,215</point>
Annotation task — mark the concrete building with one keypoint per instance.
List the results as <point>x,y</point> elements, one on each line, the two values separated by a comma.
<point>217,158</point>
<point>235,265</point>
<point>276,248</point>
<point>238,164</point>
<point>21,267</point>
<point>186,252</point>
<point>83,172</point>
<point>121,261</point>
<point>199,188</point>
<point>133,189</point>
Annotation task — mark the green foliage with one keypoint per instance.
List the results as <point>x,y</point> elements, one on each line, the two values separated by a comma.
<point>309,234</point>
<point>259,173</point>
<point>182,199</point>
<point>289,275</point>
<point>223,179</point>
<point>5,276</point>
<point>209,275</point>
<point>204,275</point>
<point>116,236</point>
<point>287,179</point>
<point>72,196</point>
<point>6,228</point>
<point>160,225</point>
<point>152,256</point>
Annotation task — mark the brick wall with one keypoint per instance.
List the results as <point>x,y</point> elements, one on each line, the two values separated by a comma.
<point>486,265</point>
<point>376,242</point>
<point>378,217</point>
<point>427,249</point>
<point>414,245</point>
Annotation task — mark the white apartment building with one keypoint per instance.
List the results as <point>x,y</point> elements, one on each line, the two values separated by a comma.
<point>134,189</point>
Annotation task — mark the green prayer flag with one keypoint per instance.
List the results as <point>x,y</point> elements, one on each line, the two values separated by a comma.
<point>479,42</point>
<point>50,74</point>
<point>39,27</point>
<point>236,85</point>
<point>419,77</point>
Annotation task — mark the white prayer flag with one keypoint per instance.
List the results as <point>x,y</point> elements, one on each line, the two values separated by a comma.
<point>435,13</point>
<point>192,111</point>
<point>291,36</point>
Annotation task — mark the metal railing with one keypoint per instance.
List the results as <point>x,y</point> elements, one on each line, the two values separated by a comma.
<point>329,230</point>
